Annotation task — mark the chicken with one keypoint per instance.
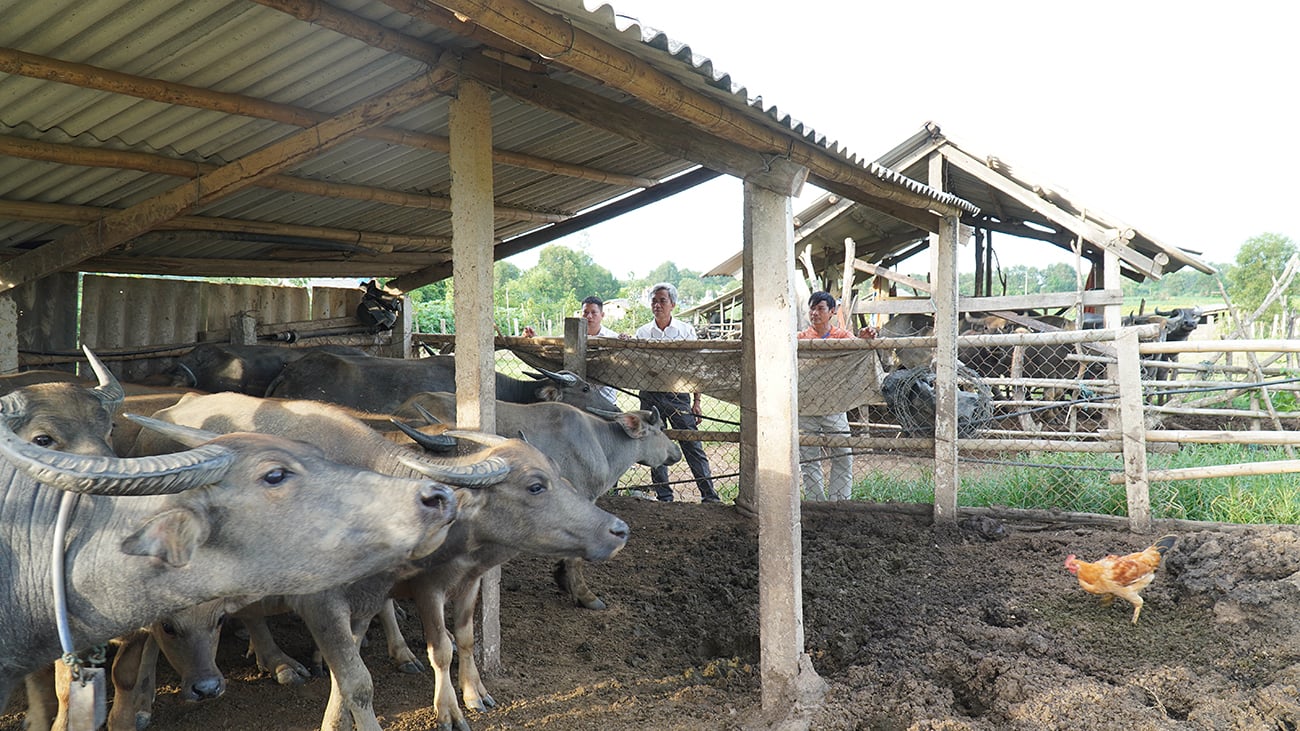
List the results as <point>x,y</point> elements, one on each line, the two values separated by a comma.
<point>1121,576</point>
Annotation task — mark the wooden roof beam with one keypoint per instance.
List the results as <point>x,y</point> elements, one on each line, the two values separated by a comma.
<point>554,37</point>
<point>374,241</point>
<point>121,226</point>
<point>21,63</point>
<point>1113,240</point>
<point>149,163</point>
<point>314,265</point>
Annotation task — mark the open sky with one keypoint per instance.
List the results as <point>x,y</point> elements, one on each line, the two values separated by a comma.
<point>1168,116</point>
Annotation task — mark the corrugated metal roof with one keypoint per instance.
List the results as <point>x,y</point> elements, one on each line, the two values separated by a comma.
<point>1002,196</point>
<point>254,53</point>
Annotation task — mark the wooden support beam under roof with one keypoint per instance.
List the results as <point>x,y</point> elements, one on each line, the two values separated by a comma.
<point>555,37</point>
<point>323,264</point>
<point>151,163</point>
<point>671,187</point>
<point>21,63</point>
<point>120,227</point>
<point>1114,241</point>
<point>374,241</point>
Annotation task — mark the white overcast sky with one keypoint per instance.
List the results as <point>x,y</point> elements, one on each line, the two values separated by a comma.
<point>1171,116</point>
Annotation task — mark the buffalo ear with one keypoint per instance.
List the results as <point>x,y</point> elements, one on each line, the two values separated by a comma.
<point>633,424</point>
<point>549,392</point>
<point>171,536</point>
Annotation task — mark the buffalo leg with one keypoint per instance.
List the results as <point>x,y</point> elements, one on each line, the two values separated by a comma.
<point>42,703</point>
<point>472,690</point>
<point>270,658</point>
<point>431,604</point>
<point>572,578</point>
<point>135,681</point>
<point>398,650</point>
<point>337,632</point>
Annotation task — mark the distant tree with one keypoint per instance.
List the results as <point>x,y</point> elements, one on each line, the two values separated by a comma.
<point>1259,262</point>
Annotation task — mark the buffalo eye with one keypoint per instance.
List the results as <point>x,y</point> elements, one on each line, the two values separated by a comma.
<point>536,488</point>
<point>276,476</point>
<point>169,629</point>
<point>43,440</point>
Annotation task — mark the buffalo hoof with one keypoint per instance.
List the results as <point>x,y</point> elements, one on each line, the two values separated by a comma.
<point>482,704</point>
<point>594,603</point>
<point>287,675</point>
<point>412,667</point>
<point>142,720</point>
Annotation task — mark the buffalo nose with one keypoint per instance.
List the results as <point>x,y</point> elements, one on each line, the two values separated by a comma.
<point>620,529</point>
<point>207,688</point>
<point>438,498</point>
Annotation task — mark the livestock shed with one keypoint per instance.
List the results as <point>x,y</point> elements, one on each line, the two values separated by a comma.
<point>407,141</point>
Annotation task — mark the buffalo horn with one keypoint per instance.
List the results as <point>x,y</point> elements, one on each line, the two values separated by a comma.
<point>109,391</point>
<point>1166,313</point>
<point>482,473</point>
<point>186,436</point>
<point>604,413</point>
<point>431,442</point>
<point>478,437</point>
<point>116,476</point>
<point>566,378</point>
<point>428,417</point>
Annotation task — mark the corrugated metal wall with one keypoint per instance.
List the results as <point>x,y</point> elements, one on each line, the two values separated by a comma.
<point>120,312</point>
<point>47,315</point>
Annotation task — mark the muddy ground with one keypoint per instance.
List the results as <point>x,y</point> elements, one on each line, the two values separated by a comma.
<point>911,626</point>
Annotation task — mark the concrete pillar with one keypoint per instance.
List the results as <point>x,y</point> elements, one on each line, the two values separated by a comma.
<point>472,240</point>
<point>769,448</point>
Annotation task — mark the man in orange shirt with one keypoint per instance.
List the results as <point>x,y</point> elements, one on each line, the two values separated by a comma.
<point>821,313</point>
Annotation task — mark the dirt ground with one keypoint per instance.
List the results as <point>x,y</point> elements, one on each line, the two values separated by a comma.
<point>910,625</point>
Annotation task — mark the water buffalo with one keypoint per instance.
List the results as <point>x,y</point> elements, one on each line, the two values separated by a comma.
<point>246,514</point>
<point>592,451</point>
<point>904,326</point>
<point>520,503</point>
<point>382,384</point>
<point>241,368</point>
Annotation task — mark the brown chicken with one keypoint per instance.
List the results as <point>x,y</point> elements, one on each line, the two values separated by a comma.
<point>1121,576</point>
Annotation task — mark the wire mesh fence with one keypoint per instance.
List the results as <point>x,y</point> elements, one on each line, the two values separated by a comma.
<point>1038,421</point>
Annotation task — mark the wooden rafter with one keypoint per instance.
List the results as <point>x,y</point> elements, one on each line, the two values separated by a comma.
<point>552,36</point>
<point>121,226</point>
<point>151,163</point>
<point>374,241</point>
<point>31,65</point>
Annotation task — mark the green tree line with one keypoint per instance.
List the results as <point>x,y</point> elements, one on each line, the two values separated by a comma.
<point>545,294</point>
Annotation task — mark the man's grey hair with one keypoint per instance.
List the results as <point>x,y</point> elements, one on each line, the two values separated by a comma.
<point>665,286</point>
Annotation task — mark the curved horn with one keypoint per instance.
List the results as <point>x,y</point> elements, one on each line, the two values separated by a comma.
<point>185,435</point>
<point>658,416</point>
<point>478,437</point>
<point>566,378</point>
<point>483,473</point>
<point>430,442</point>
<point>1167,313</point>
<point>109,391</point>
<point>604,413</point>
<point>117,476</point>
<point>428,418</point>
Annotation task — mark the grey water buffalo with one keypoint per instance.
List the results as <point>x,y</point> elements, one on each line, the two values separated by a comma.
<point>592,451</point>
<point>512,500</point>
<point>382,384</point>
<point>246,514</point>
<point>906,326</point>
<point>242,368</point>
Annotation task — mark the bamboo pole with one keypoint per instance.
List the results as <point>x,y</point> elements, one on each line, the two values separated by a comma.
<point>1277,467</point>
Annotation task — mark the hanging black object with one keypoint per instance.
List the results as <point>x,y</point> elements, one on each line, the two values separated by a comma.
<point>377,308</point>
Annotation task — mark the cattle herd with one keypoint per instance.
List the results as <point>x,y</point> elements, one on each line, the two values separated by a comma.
<point>263,479</point>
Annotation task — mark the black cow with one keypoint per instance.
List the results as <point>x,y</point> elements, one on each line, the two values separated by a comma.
<point>246,369</point>
<point>382,384</point>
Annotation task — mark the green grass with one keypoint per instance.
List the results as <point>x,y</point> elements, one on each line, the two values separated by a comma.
<point>1078,483</point>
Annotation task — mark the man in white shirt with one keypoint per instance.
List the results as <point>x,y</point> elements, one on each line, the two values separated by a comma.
<point>593,311</point>
<point>678,409</point>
